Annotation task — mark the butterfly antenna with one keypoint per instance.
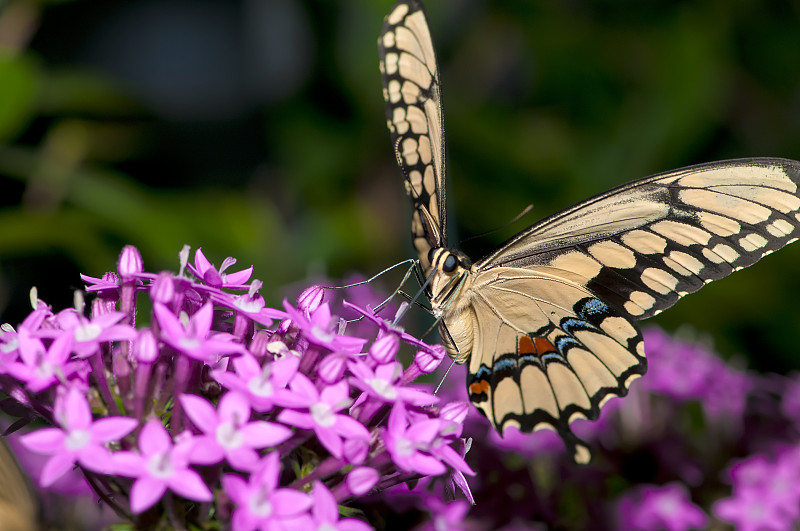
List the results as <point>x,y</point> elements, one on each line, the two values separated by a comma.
<point>525,212</point>
<point>410,261</point>
<point>386,301</point>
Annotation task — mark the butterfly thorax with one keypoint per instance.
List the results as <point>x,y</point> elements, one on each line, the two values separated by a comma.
<point>449,288</point>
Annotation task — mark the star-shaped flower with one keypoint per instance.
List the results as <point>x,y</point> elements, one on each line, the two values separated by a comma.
<point>160,465</point>
<point>322,413</point>
<point>39,367</point>
<point>263,384</point>
<point>205,270</point>
<point>260,504</point>
<point>228,431</point>
<point>78,440</point>
<point>194,339</point>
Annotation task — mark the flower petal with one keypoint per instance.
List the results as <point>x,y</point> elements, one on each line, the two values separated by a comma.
<point>112,428</point>
<point>146,491</point>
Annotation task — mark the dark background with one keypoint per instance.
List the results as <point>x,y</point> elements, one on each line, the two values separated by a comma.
<point>255,129</point>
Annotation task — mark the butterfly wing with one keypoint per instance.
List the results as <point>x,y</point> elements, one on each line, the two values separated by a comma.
<point>644,245</point>
<point>412,92</point>
<point>554,308</point>
<point>18,504</point>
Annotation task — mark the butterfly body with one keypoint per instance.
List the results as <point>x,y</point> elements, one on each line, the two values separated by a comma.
<point>546,322</point>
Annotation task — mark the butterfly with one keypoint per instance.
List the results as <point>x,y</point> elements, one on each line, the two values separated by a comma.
<point>547,322</point>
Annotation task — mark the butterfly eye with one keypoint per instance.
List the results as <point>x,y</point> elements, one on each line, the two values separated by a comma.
<point>450,264</point>
<point>430,255</point>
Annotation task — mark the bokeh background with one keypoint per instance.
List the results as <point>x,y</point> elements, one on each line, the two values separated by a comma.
<point>255,129</point>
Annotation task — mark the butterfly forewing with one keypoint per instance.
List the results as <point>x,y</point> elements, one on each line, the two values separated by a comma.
<point>414,115</point>
<point>644,245</point>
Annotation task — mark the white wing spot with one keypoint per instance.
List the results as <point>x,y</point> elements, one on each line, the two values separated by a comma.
<point>644,242</point>
<point>753,241</point>
<point>659,280</point>
<point>681,233</point>
<point>719,225</point>
<point>612,254</point>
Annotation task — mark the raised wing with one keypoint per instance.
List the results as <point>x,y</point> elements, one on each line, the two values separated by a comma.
<point>644,245</point>
<point>412,92</point>
<point>546,351</point>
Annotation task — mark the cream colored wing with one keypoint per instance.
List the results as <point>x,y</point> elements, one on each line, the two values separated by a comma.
<point>545,351</point>
<point>642,246</point>
<point>412,92</point>
<point>18,505</point>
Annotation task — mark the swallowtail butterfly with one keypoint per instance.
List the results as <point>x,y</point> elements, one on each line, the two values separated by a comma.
<point>546,323</point>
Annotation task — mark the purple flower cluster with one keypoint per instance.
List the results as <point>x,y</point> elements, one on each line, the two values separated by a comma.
<point>766,492</point>
<point>220,411</point>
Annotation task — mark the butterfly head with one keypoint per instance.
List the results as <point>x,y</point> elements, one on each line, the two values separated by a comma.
<point>451,274</point>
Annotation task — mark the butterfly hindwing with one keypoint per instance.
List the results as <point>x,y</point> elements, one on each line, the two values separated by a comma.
<point>546,351</point>
<point>414,117</point>
<point>646,244</point>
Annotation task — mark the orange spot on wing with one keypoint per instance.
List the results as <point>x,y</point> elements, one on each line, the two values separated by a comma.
<point>479,387</point>
<point>536,345</point>
<point>543,345</point>
<point>526,345</point>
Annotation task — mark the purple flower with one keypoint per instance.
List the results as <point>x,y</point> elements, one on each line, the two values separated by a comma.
<point>159,466</point>
<point>228,434</point>
<point>260,504</point>
<point>448,516</point>
<point>88,334</point>
<point>195,339</point>
<point>384,349</point>
<point>383,384</point>
<point>652,508</point>
<point>322,413</point>
<point>325,513</point>
<point>40,367</point>
<point>361,479</point>
<point>310,299</point>
<point>410,445</point>
<point>204,270</point>
<point>130,263</point>
<point>317,328</point>
<point>688,371</point>
<point>78,440</point>
<point>773,480</point>
<point>751,510</point>
<point>263,384</point>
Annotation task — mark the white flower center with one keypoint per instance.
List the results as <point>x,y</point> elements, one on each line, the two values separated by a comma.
<point>77,439</point>
<point>189,343</point>
<point>160,466</point>
<point>261,386</point>
<point>247,304</point>
<point>229,436</point>
<point>383,388</point>
<point>87,332</point>
<point>323,414</point>
<point>260,505</point>
<point>321,334</point>
<point>405,447</point>
<point>44,370</point>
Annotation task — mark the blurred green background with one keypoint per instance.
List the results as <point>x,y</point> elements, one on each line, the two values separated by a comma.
<point>255,129</point>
